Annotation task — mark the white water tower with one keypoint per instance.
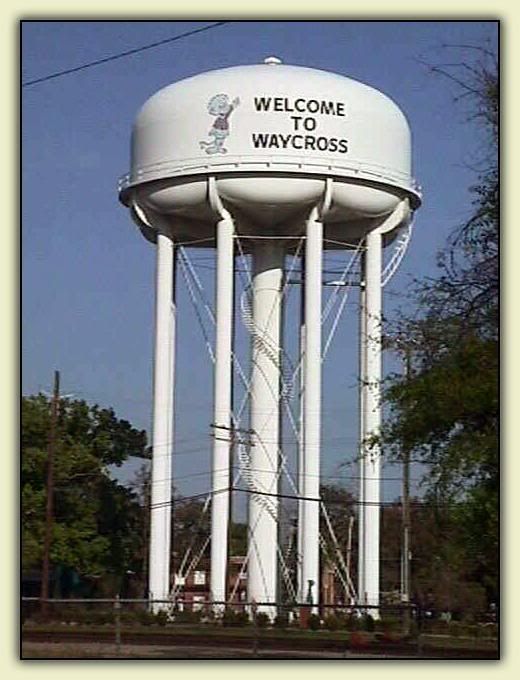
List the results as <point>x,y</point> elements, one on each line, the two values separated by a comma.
<point>269,153</point>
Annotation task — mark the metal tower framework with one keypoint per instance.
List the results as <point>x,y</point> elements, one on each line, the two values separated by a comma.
<point>268,391</point>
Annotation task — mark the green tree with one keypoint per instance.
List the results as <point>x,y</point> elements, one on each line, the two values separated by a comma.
<point>238,539</point>
<point>446,412</point>
<point>94,516</point>
<point>442,576</point>
<point>191,518</point>
<point>340,506</point>
<point>190,528</point>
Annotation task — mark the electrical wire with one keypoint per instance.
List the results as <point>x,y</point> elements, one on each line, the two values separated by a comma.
<point>208,473</point>
<point>382,504</point>
<point>120,55</point>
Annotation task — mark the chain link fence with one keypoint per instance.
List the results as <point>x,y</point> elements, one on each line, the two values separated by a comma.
<point>388,630</point>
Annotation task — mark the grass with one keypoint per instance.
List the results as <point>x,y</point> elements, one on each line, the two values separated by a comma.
<point>434,641</point>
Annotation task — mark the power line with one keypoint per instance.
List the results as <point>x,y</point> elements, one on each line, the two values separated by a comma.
<point>419,504</point>
<point>120,55</point>
<point>207,473</point>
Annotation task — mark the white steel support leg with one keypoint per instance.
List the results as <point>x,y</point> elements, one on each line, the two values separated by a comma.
<point>362,432</point>
<point>268,261</point>
<point>222,442</point>
<point>161,492</point>
<point>372,410</point>
<point>312,411</point>
<point>301,452</point>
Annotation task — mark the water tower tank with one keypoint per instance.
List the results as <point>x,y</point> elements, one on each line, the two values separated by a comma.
<point>270,135</point>
<point>276,159</point>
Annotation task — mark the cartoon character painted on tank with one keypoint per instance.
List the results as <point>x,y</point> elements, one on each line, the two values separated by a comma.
<point>220,107</point>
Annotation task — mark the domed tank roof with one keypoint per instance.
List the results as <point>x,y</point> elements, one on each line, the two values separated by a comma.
<point>271,118</point>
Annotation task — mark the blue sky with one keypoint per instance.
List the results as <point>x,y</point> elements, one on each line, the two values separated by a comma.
<point>87,273</point>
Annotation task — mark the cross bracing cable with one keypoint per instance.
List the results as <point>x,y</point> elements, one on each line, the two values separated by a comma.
<point>189,549</point>
<point>342,573</point>
<point>200,287</point>
<point>273,351</point>
<point>337,550</point>
<point>346,580</point>
<point>326,554</point>
<point>211,315</point>
<point>288,383</point>
<point>403,240</point>
<point>283,396</point>
<point>342,281</point>
<point>260,499</point>
<point>189,270</point>
<point>261,342</point>
<point>243,469</point>
<point>285,572</point>
<point>193,565</point>
<point>182,261</point>
<point>264,501</point>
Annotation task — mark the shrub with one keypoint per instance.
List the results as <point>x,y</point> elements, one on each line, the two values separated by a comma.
<point>161,618</point>
<point>262,620</point>
<point>187,616</point>
<point>469,618</point>
<point>81,615</point>
<point>389,623</point>
<point>281,621</point>
<point>352,622</point>
<point>314,622</point>
<point>388,636</point>
<point>145,617</point>
<point>487,630</point>
<point>413,629</point>
<point>128,616</point>
<point>234,619</point>
<point>368,623</point>
<point>332,622</point>
<point>461,629</point>
<point>358,640</point>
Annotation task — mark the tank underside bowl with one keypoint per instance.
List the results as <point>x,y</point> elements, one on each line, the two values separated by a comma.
<point>264,205</point>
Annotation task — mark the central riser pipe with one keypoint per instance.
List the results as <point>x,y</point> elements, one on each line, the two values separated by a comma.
<point>268,261</point>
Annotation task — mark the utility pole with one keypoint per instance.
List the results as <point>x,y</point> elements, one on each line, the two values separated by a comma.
<point>49,508</point>
<point>233,436</point>
<point>349,543</point>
